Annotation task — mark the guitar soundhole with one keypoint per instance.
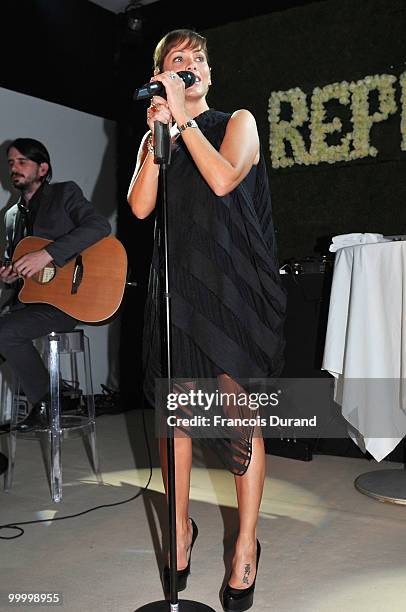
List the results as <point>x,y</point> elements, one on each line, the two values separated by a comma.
<point>45,275</point>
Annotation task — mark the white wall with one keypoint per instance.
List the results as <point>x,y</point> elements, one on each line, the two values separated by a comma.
<point>82,149</point>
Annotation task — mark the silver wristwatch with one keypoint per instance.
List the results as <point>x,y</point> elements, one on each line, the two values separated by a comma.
<point>191,123</point>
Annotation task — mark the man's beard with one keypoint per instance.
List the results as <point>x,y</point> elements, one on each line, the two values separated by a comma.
<point>22,183</point>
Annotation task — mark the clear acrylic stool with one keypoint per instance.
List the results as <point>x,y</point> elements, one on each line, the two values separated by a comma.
<point>70,346</point>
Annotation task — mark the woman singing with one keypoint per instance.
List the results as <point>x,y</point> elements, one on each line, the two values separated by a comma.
<point>227,304</point>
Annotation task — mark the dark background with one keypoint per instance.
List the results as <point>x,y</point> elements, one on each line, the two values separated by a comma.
<point>77,54</point>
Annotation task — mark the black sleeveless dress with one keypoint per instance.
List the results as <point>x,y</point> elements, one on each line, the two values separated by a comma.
<point>227,303</point>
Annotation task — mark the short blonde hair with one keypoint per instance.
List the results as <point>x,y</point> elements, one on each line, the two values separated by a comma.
<point>172,39</point>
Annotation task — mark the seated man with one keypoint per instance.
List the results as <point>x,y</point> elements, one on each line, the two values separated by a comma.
<point>57,212</point>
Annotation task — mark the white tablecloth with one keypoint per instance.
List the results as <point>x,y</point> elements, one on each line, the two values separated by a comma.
<point>366,342</point>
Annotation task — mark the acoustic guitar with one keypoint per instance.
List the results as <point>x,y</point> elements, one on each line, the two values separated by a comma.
<point>89,288</point>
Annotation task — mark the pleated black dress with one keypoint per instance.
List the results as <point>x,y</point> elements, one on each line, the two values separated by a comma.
<point>227,303</point>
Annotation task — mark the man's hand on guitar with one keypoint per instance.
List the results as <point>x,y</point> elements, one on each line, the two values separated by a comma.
<point>31,263</point>
<point>7,274</point>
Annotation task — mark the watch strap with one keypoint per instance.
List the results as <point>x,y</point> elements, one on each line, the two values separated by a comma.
<point>188,124</point>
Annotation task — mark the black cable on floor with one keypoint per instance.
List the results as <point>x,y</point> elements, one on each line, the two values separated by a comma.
<point>17,525</point>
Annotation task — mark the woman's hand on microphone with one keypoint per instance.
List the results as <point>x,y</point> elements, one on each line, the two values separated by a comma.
<point>158,110</point>
<point>175,92</point>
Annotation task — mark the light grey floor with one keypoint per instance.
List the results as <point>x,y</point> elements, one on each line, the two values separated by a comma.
<point>325,546</point>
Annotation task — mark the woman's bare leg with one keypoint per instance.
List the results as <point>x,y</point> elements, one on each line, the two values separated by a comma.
<point>183,466</point>
<point>249,494</point>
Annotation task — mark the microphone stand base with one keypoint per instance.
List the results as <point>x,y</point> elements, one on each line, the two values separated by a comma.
<point>184,605</point>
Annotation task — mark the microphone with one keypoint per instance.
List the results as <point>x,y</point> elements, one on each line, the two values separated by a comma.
<point>156,88</point>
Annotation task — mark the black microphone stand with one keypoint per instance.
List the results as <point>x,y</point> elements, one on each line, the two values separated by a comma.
<point>163,158</point>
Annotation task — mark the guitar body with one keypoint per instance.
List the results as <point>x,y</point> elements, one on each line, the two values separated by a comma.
<point>95,296</point>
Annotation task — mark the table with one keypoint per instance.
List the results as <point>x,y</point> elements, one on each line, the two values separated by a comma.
<point>365,350</point>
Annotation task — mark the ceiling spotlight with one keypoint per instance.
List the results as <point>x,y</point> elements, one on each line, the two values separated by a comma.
<point>133,16</point>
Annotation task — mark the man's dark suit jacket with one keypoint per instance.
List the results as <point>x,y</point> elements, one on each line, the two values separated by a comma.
<point>64,216</point>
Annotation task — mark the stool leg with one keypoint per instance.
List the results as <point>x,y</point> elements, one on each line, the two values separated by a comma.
<point>12,436</point>
<point>91,410</point>
<point>74,372</point>
<point>94,453</point>
<point>55,433</point>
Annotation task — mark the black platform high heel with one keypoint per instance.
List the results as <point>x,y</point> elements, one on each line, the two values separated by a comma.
<point>239,600</point>
<point>183,573</point>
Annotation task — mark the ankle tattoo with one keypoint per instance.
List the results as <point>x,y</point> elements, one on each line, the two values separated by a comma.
<point>247,572</point>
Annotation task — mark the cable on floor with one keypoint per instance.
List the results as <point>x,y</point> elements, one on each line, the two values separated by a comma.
<point>17,525</point>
